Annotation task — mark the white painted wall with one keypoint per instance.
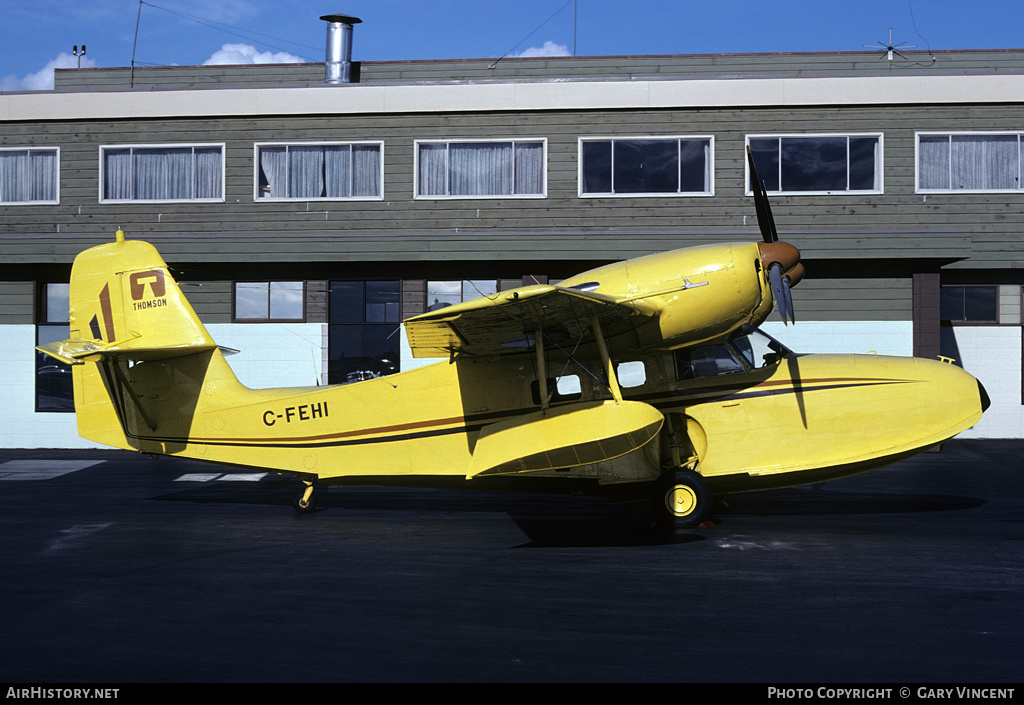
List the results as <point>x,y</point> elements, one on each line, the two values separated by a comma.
<point>23,427</point>
<point>274,354</point>
<point>880,337</point>
<point>993,355</point>
<point>271,355</point>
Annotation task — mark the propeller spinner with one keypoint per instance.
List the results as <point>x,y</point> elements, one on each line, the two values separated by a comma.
<point>781,260</point>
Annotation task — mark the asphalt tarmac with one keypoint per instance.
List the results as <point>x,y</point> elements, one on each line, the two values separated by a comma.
<point>118,568</point>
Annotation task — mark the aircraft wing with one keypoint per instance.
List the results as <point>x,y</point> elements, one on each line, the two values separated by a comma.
<point>509,321</point>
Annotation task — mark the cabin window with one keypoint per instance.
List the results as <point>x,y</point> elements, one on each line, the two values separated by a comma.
<point>29,176</point>
<point>646,166</point>
<point>54,388</point>
<point>818,164</point>
<point>363,330</point>
<point>747,349</point>
<point>564,388</point>
<point>982,162</point>
<point>441,294</point>
<point>319,171</point>
<point>631,374</point>
<point>969,304</point>
<point>162,173</point>
<point>706,361</point>
<point>481,169</point>
<point>269,301</point>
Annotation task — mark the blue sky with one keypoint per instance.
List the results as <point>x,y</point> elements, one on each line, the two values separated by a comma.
<point>37,35</point>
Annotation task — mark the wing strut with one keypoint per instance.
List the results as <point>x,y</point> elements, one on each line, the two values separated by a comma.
<point>542,370</point>
<point>609,368</point>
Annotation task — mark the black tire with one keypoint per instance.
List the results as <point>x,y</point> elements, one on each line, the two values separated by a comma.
<point>682,499</point>
<point>309,507</point>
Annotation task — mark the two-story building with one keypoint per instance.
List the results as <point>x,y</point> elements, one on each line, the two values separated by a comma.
<point>305,218</point>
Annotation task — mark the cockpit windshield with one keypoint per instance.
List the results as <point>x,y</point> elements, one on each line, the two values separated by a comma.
<point>747,349</point>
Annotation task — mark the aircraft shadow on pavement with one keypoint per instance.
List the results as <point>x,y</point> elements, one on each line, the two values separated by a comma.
<point>561,521</point>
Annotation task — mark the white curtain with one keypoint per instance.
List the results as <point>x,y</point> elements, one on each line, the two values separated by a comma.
<point>529,168</point>
<point>984,161</point>
<point>320,171</point>
<point>433,170</point>
<point>208,183</point>
<point>337,171</point>
<point>933,162</point>
<point>274,165</point>
<point>480,169</point>
<point>28,176</point>
<point>366,161</point>
<point>162,174</point>
<point>306,172</point>
<point>969,162</point>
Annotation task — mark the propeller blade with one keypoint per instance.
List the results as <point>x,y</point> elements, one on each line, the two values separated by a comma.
<point>765,221</point>
<point>789,302</point>
<point>780,291</point>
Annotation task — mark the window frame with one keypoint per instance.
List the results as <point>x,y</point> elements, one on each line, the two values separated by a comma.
<point>1019,134</point>
<point>268,319</point>
<point>472,284</point>
<point>970,321</point>
<point>879,166</point>
<point>333,143</point>
<point>337,320</point>
<point>190,145</point>
<point>56,176</point>
<point>43,321</point>
<point>418,143</point>
<point>646,194</point>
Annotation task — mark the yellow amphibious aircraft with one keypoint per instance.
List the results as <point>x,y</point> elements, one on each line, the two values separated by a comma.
<point>642,379</point>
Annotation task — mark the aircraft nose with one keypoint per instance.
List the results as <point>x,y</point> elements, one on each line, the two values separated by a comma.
<point>985,401</point>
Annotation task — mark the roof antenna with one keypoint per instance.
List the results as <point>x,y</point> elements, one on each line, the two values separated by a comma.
<point>891,49</point>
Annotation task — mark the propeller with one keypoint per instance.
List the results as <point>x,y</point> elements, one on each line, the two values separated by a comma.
<point>781,258</point>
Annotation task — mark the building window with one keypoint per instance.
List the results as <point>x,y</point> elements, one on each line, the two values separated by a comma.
<point>646,166</point>
<point>481,169</point>
<point>447,293</point>
<point>969,304</point>
<point>158,173</point>
<point>29,175</point>
<point>54,389</point>
<point>818,164</point>
<point>363,331</point>
<point>319,171</point>
<point>269,301</point>
<point>969,162</point>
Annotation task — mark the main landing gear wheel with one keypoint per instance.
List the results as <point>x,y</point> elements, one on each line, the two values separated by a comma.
<point>305,501</point>
<point>682,499</point>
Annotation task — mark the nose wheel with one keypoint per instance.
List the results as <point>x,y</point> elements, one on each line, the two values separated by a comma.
<point>682,499</point>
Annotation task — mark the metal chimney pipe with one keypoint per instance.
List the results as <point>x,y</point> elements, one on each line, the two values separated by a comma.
<point>338,63</point>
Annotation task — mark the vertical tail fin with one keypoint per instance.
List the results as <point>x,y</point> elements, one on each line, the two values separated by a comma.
<point>140,356</point>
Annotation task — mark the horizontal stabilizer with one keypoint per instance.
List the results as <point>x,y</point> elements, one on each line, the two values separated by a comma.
<point>563,437</point>
<point>75,352</point>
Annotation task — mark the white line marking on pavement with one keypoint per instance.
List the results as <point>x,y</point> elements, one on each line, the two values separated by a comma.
<point>40,469</point>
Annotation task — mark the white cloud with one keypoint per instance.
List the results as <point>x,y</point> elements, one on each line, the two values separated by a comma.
<point>247,54</point>
<point>42,80</point>
<point>549,49</point>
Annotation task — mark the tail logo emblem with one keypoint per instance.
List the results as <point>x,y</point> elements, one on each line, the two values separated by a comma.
<point>138,281</point>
